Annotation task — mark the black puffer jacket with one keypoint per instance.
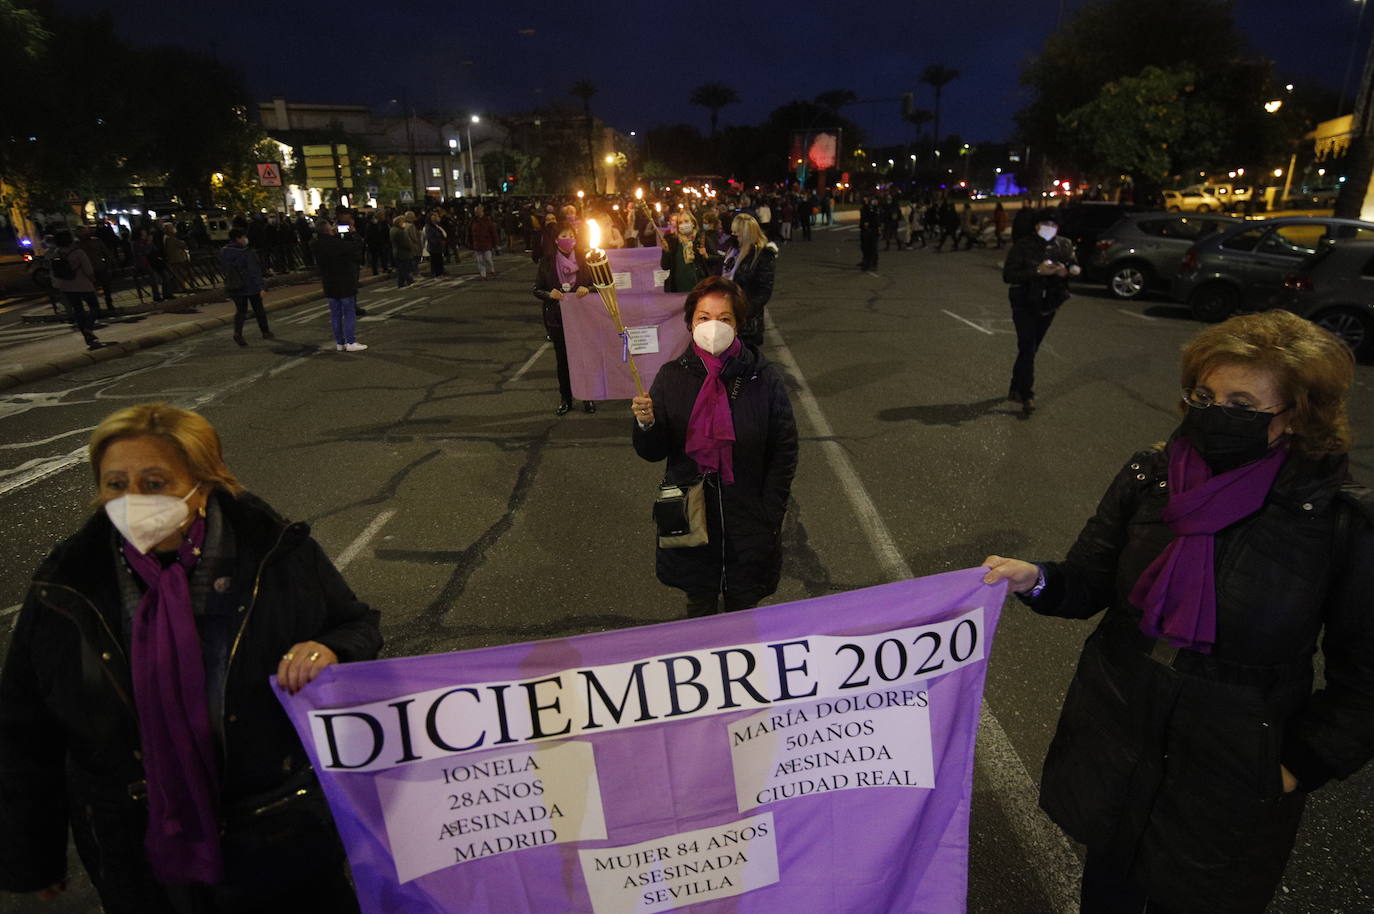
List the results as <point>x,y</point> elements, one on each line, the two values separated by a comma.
<point>69,742</point>
<point>1167,761</point>
<point>338,258</point>
<point>755,275</point>
<point>546,280</point>
<point>745,518</point>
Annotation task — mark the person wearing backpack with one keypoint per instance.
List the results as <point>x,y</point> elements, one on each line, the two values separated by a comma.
<point>73,276</point>
<point>243,283</point>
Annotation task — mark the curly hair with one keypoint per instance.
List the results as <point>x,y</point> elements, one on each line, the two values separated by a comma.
<point>190,434</point>
<point>1310,366</point>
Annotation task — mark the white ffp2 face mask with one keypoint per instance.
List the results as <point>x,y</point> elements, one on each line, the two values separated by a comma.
<point>146,520</point>
<point>713,336</point>
<point>1047,232</point>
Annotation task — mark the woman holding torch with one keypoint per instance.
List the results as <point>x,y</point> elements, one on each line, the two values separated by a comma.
<point>561,272</point>
<point>719,414</point>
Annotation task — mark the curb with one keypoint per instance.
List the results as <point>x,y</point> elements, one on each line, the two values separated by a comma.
<point>119,350</point>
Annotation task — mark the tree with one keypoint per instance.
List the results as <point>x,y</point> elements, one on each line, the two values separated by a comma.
<point>937,76</point>
<point>585,89</point>
<point>713,97</point>
<point>835,99</point>
<point>1149,126</point>
<point>23,38</point>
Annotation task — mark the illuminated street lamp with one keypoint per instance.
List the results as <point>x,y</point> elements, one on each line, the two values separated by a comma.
<point>472,161</point>
<point>1273,106</point>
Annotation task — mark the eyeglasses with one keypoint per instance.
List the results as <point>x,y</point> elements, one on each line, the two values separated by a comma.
<point>1199,399</point>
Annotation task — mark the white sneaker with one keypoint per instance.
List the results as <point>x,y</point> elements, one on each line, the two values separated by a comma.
<point>338,347</point>
<point>354,347</point>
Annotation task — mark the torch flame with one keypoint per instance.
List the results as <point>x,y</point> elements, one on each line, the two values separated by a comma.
<point>593,234</point>
<point>639,193</point>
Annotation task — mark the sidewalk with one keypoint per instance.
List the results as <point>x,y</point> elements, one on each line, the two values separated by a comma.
<point>144,327</point>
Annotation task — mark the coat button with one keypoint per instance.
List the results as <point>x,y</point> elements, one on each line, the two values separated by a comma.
<point>233,718</point>
<point>1135,466</point>
<point>1163,483</point>
<point>1307,506</point>
<point>105,656</point>
<point>1140,476</point>
<point>138,755</point>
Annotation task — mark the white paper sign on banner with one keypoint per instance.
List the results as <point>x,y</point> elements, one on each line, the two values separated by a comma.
<point>660,277</point>
<point>873,739</point>
<point>442,815</point>
<point>623,281</point>
<point>643,340</point>
<point>683,869</point>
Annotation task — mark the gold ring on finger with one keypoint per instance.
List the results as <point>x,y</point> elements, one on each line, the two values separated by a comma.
<point>312,656</point>
<point>288,656</point>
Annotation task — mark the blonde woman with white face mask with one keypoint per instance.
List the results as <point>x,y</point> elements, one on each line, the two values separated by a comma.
<point>754,268</point>
<point>136,704</point>
<point>719,415</point>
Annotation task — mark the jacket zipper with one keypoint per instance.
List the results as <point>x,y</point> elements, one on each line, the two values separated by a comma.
<point>238,637</point>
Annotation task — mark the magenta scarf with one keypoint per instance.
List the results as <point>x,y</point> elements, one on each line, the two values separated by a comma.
<point>1177,592</point>
<point>179,760</point>
<point>711,428</point>
<point>567,268</point>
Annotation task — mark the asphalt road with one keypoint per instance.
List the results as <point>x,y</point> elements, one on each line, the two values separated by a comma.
<point>433,466</point>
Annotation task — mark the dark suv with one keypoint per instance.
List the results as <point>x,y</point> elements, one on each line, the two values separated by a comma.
<point>1244,268</point>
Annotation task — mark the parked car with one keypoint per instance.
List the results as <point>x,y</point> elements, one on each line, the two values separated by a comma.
<point>1143,250</point>
<point>1231,196</point>
<point>1334,288</point>
<point>1244,268</point>
<point>1191,201</point>
<point>1085,221</point>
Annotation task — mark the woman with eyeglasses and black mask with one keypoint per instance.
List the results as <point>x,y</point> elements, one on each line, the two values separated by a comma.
<point>1190,736</point>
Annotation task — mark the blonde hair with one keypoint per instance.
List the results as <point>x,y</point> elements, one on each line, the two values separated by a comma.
<point>193,438</point>
<point>751,237</point>
<point>1312,368</point>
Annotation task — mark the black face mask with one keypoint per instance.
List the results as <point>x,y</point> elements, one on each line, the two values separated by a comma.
<point>1226,442</point>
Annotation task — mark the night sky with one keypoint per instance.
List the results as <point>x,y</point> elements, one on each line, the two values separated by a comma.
<point>472,57</point>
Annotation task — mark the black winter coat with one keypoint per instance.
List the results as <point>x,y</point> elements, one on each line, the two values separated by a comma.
<point>744,519</point>
<point>755,275</point>
<point>1167,761</point>
<point>69,741</point>
<point>338,258</point>
<point>546,280</point>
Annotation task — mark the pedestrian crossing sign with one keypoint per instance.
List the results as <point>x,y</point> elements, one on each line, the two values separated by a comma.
<point>269,174</point>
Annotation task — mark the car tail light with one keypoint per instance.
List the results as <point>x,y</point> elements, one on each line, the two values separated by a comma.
<point>1104,243</point>
<point>1298,282</point>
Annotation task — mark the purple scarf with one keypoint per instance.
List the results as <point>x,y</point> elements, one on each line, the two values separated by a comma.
<point>1177,593</point>
<point>567,268</point>
<point>179,759</point>
<point>711,428</point>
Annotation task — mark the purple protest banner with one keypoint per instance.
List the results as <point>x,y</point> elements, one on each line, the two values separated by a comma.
<point>806,757</point>
<point>653,321</point>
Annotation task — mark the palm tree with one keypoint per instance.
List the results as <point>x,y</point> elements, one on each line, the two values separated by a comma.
<point>714,96</point>
<point>918,118</point>
<point>585,89</point>
<point>937,76</point>
<point>835,99</point>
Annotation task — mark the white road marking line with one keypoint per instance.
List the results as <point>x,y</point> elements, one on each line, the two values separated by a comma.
<point>401,307</point>
<point>1012,785</point>
<point>529,363</point>
<point>1144,317</point>
<point>358,545</point>
<point>307,315</point>
<point>32,471</point>
<point>10,610</point>
<point>970,323</point>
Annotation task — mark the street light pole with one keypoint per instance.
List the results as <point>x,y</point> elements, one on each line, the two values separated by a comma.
<point>472,161</point>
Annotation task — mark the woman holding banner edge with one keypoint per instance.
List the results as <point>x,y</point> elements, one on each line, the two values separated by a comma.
<point>1190,735</point>
<point>136,703</point>
<point>561,272</point>
<point>719,413</point>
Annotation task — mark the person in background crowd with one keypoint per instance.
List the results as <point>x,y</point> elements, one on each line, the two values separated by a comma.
<point>403,255</point>
<point>378,237</point>
<point>305,237</point>
<point>1023,223</point>
<point>1000,222</point>
<point>102,263</point>
<point>136,707</point>
<point>149,265</point>
<point>560,274</point>
<point>435,240</point>
<point>178,258</point>
<point>483,239</point>
<point>949,226</point>
<point>870,227</point>
<point>339,255</point>
<point>787,215</point>
<point>719,413</point>
<point>763,214</point>
<point>1191,737</point>
<point>711,240</point>
<point>1037,270</point>
<point>417,240</point>
<point>754,269</point>
<point>243,283</point>
<point>74,279</point>
<point>684,255</point>
<point>968,228</point>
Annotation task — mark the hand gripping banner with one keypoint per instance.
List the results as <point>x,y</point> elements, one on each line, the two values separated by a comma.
<point>807,757</point>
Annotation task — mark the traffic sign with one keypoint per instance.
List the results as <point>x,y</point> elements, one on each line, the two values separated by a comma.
<point>269,174</point>
<point>407,196</point>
